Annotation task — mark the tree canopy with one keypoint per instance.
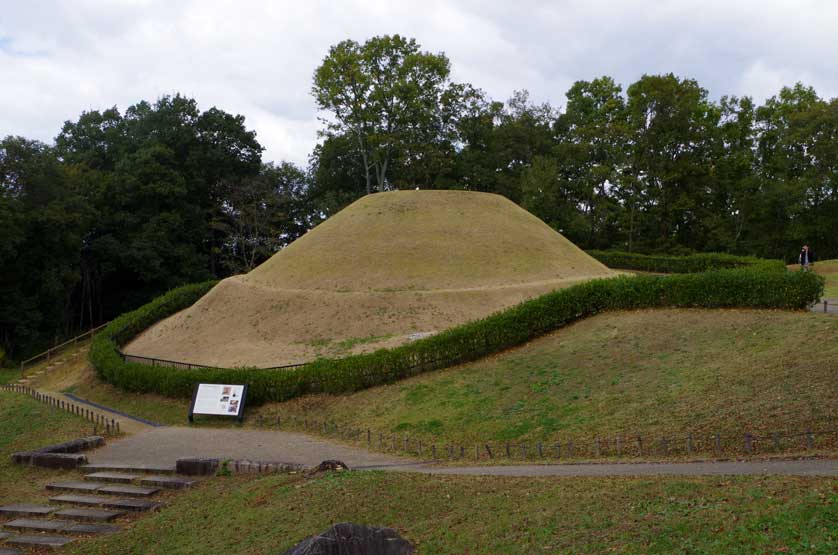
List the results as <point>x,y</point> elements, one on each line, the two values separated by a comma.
<point>124,206</point>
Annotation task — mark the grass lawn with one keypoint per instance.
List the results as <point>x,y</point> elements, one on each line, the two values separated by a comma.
<point>27,424</point>
<point>649,372</point>
<point>495,515</point>
<point>829,270</point>
<point>72,373</point>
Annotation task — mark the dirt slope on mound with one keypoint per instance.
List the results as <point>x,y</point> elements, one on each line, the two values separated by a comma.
<point>388,266</point>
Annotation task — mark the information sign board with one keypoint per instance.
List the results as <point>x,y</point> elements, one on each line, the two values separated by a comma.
<point>218,400</point>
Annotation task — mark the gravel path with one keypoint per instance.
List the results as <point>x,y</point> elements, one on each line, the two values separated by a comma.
<point>165,445</point>
<point>751,468</point>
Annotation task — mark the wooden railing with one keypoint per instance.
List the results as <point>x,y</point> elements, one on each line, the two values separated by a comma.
<point>48,354</point>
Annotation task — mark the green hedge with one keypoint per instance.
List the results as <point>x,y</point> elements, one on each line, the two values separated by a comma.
<point>689,264</point>
<point>754,287</point>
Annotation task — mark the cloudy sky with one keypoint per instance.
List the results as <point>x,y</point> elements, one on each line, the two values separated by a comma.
<point>256,58</point>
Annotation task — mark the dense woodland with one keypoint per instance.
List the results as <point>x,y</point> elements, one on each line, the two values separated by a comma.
<point>126,205</point>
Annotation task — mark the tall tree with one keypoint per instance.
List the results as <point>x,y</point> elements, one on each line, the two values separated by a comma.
<point>671,123</point>
<point>153,175</point>
<point>43,221</point>
<point>592,135</point>
<point>386,94</point>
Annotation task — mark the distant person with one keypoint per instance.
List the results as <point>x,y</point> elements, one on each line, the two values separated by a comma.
<point>807,258</point>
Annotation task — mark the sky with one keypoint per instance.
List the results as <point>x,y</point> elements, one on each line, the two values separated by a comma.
<point>257,58</point>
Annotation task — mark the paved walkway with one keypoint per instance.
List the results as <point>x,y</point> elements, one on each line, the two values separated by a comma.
<point>165,445</point>
<point>831,306</point>
<point>750,468</point>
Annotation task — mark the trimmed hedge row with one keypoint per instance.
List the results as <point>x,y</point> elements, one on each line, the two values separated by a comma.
<point>754,287</point>
<point>689,264</point>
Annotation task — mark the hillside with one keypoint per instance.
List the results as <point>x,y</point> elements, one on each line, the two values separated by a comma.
<point>640,372</point>
<point>388,266</point>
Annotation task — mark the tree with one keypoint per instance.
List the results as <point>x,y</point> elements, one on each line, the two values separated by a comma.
<point>592,134</point>
<point>264,213</point>
<point>43,220</point>
<point>154,176</point>
<point>671,125</point>
<point>387,95</point>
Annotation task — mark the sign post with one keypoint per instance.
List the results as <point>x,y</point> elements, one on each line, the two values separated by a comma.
<point>218,400</point>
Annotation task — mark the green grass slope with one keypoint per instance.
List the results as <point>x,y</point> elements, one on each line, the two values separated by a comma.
<point>649,372</point>
<point>829,270</point>
<point>27,424</point>
<point>495,515</point>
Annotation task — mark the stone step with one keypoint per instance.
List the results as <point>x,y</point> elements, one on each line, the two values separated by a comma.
<point>91,528</point>
<point>89,500</point>
<point>169,482</point>
<point>132,504</point>
<point>10,551</point>
<point>93,515</point>
<point>127,467</point>
<point>112,477</point>
<point>25,509</point>
<point>131,491</point>
<point>39,540</point>
<point>110,503</point>
<point>76,486</point>
<point>4,535</point>
<point>37,525</point>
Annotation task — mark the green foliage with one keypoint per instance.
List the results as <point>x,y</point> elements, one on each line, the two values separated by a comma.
<point>756,286</point>
<point>667,264</point>
<point>388,95</point>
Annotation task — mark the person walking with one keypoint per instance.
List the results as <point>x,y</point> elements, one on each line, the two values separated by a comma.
<point>806,259</point>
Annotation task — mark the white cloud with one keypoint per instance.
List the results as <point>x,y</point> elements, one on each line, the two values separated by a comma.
<point>257,58</point>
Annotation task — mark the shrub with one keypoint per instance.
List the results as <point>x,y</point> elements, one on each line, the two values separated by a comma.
<point>668,264</point>
<point>754,286</point>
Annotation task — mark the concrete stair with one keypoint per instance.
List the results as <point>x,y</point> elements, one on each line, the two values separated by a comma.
<point>37,525</point>
<point>25,509</point>
<point>133,469</point>
<point>38,540</point>
<point>88,515</point>
<point>113,477</point>
<point>86,507</point>
<point>168,482</point>
<point>138,505</point>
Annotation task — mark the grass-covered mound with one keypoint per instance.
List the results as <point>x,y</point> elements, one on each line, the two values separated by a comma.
<point>456,515</point>
<point>666,372</point>
<point>755,287</point>
<point>388,266</point>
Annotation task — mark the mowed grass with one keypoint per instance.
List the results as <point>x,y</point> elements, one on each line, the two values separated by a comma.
<point>497,515</point>
<point>644,372</point>
<point>26,424</point>
<point>829,270</point>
